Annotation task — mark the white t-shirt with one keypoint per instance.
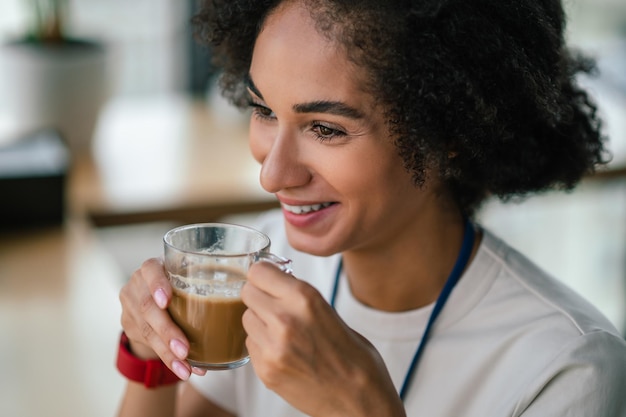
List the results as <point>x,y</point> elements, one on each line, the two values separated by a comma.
<point>510,341</point>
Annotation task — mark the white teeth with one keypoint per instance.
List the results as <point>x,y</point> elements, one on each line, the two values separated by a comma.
<point>305,209</point>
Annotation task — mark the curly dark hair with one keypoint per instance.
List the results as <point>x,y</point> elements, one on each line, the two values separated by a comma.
<point>481,92</point>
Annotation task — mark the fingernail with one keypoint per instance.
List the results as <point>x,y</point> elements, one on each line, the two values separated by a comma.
<point>198,371</point>
<point>179,348</point>
<point>180,370</point>
<point>160,298</point>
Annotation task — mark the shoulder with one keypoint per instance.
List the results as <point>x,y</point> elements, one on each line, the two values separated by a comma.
<point>518,320</point>
<point>586,377</point>
<point>528,314</point>
<point>539,294</point>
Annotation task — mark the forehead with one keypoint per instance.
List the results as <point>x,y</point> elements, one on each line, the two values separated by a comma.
<point>290,53</point>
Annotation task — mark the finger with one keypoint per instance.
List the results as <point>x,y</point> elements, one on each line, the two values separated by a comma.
<point>171,351</point>
<point>155,277</point>
<point>271,280</point>
<point>278,299</point>
<point>269,322</point>
<point>254,351</point>
<point>198,371</point>
<point>257,340</point>
<point>263,305</point>
<point>141,317</point>
<point>181,368</point>
<point>255,328</point>
<point>146,344</point>
<point>159,321</point>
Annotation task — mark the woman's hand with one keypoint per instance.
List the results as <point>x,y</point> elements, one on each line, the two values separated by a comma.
<point>147,323</point>
<point>304,352</point>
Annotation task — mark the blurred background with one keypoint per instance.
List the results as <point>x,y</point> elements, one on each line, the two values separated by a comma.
<point>115,135</point>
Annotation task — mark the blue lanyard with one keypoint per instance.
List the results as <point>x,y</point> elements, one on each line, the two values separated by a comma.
<point>453,278</point>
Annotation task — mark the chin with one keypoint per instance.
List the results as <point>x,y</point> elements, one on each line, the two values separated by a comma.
<point>312,245</point>
<point>312,249</point>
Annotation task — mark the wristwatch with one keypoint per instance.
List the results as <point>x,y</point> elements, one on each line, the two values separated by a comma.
<point>152,372</point>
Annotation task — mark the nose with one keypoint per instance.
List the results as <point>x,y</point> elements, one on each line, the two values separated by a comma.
<point>283,166</point>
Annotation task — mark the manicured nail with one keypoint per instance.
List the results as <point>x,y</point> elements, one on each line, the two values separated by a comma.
<point>161,298</point>
<point>179,348</point>
<point>180,370</point>
<point>198,371</point>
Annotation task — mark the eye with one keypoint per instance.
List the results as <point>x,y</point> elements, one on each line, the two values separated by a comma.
<point>324,133</point>
<point>262,112</point>
<point>325,130</point>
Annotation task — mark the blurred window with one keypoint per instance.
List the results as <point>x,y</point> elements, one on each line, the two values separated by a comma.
<point>148,40</point>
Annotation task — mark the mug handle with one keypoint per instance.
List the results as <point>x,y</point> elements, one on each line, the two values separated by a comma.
<point>281,263</point>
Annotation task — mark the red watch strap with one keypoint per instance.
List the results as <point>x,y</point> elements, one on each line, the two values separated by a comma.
<point>152,372</point>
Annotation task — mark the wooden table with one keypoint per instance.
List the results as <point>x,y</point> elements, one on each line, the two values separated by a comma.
<point>172,159</point>
<point>59,320</point>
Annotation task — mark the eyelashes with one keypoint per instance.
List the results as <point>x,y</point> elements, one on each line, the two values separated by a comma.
<point>322,131</point>
<point>261,112</point>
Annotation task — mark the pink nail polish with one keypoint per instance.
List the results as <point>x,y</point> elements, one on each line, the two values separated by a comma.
<point>160,298</point>
<point>180,370</point>
<point>198,371</point>
<point>179,349</point>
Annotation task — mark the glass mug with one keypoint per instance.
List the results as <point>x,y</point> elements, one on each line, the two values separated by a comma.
<point>207,265</point>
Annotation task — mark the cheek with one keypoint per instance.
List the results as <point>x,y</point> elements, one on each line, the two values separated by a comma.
<point>376,168</point>
<point>384,180</point>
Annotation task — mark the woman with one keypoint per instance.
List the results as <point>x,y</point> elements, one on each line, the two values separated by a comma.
<point>381,128</point>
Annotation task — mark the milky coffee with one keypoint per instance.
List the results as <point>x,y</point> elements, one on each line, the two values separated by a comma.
<point>209,313</point>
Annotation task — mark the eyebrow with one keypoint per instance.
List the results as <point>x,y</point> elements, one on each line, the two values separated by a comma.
<point>337,108</point>
<point>250,84</point>
<point>332,107</point>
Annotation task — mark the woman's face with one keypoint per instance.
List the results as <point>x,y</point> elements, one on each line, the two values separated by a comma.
<point>323,143</point>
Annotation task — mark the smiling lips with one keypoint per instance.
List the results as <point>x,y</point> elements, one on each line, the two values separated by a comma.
<point>305,209</point>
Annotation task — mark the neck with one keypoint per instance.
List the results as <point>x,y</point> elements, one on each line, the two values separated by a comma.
<point>410,271</point>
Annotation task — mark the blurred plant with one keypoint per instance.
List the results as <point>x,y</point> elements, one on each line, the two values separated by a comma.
<point>48,20</point>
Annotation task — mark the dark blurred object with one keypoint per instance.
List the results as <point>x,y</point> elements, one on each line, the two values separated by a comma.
<point>202,73</point>
<point>48,18</point>
<point>33,172</point>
